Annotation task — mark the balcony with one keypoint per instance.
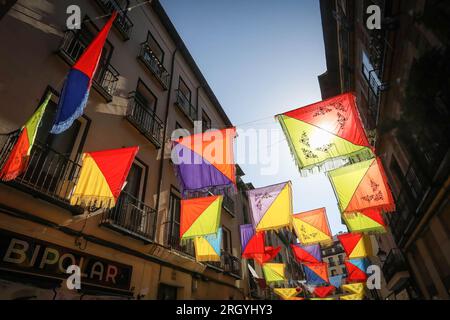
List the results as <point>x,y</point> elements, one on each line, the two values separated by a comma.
<point>228,264</point>
<point>394,269</point>
<point>145,120</point>
<point>50,176</point>
<point>131,217</point>
<point>174,242</point>
<point>420,184</point>
<point>105,78</point>
<point>228,204</point>
<point>185,105</point>
<point>123,23</point>
<point>375,87</point>
<point>149,59</point>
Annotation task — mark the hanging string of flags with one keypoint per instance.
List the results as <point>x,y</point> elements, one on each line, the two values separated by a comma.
<point>326,136</point>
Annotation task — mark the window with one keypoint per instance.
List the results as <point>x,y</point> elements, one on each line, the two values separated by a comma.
<point>134,180</point>
<point>166,292</point>
<point>184,89</point>
<point>206,121</point>
<point>174,211</point>
<point>85,35</point>
<point>67,143</point>
<point>145,97</point>
<point>370,74</point>
<point>226,240</point>
<point>155,48</point>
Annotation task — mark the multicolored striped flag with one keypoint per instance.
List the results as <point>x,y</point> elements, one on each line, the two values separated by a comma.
<point>326,135</point>
<point>102,177</point>
<point>19,156</point>
<point>78,83</point>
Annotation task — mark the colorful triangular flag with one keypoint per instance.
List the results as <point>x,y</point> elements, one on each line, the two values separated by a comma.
<point>369,221</point>
<point>271,207</point>
<point>356,288</point>
<point>78,83</point>
<point>316,273</point>
<point>205,161</point>
<point>312,227</point>
<point>102,177</point>
<point>326,135</point>
<point>274,272</point>
<point>18,158</point>
<point>286,293</point>
<point>307,254</point>
<point>356,270</point>
<point>207,248</point>
<point>323,292</point>
<point>356,245</point>
<point>200,217</point>
<point>336,281</point>
<point>362,186</point>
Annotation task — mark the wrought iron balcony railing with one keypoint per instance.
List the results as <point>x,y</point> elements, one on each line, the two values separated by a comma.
<point>395,262</point>
<point>174,242</point>
<point>185,105</point>
<point>123,23</point>
<point>418,185</point>
<point>229,264</point>
<point>105,78</point>
<point>228,204</point>
<point>131,217</point>
<point>145,120</point>
<point>150,60</point>
<point>49,175</point>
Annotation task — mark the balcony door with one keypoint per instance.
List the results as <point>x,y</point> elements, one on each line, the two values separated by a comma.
<point>83,38</point>
<point>134,215</point>
<point>53,165</point>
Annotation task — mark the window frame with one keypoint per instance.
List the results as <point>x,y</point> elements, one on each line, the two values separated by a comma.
<point>150,36</point>
<point>181,81</point>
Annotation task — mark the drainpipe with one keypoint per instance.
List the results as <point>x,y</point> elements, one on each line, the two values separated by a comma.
<point>161,166</point>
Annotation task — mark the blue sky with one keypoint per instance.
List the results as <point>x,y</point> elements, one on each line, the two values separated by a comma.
<point>261,58</point>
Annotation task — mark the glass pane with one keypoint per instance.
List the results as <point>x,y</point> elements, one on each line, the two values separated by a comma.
<point>134,181</point>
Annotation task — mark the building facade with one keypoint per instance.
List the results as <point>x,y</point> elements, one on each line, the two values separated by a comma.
<point>398,74</point>
<point>147,85</point>
<point>334,256</point>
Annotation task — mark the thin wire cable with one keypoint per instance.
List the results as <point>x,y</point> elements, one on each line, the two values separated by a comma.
<point>128,9</point>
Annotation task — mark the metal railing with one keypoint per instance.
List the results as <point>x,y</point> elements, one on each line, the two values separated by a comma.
<point>395,262</point>
<point>105,78</point>
<point>145,120</point>
<point>49,175</point>
<point>416,186</point>
<point>174,242</point>
<point>132,217</point>
<point>228,204</point>
<point>228,264</point>
<point>185,105</point>
<point>147,56</point>
<point>123,23</point>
